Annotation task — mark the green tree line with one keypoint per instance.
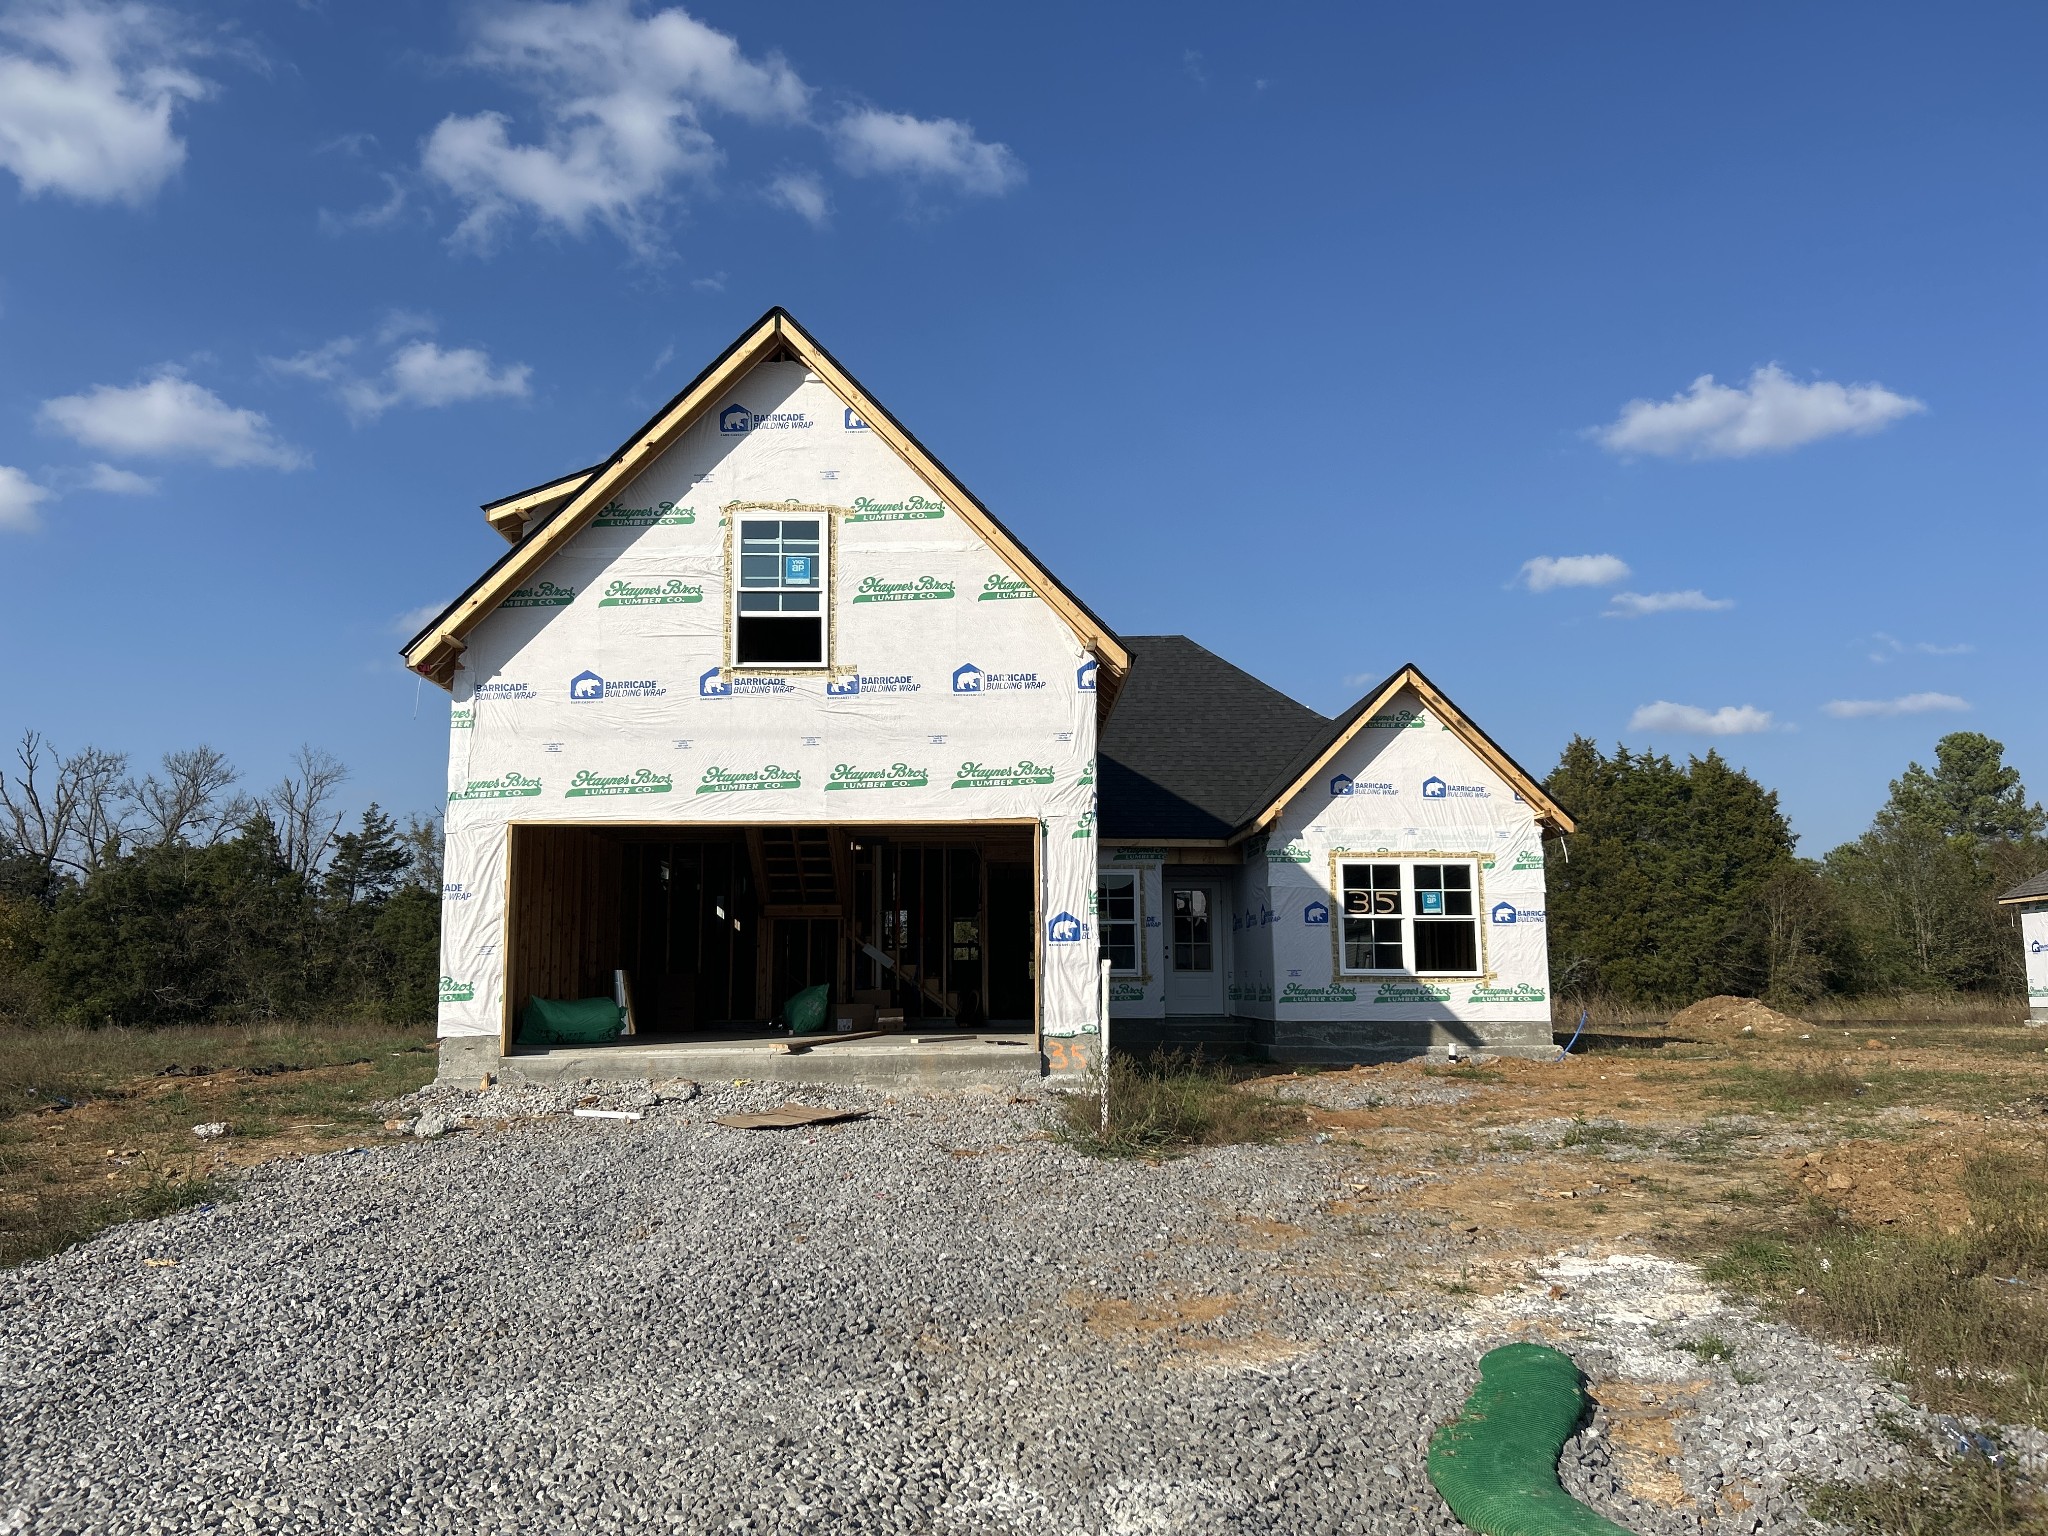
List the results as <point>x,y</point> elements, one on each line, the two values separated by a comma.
<point>176,897</point>
<point>1682,882</point>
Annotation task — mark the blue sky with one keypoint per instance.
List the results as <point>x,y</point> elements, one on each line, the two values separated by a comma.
<point>1303,331</point>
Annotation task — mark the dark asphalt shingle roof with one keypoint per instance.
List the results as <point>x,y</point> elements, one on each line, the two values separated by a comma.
<point>2035,889</point>
<point>1194,744</point>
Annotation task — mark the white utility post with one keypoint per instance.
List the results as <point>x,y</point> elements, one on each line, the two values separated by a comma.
<point>1102,1040</point>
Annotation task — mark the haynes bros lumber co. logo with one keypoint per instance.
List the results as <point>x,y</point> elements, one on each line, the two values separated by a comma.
<point>985,776</point>
<point>1411,992</point>
<point>461,718</point>
<point>895,776</point>
<point>663,514</point>
<point>1520,992</point>
<point>912,509</point>
<point>1295,992</point>
<point>1000,588</point>
<point>1396,720</point>
<point>641,781</point>
<point>627,594</point>
<point>737,418</point>
<point>721,781</point>
<point>923,589</point>
<point>507,786</point>
<point>542,594</point>
<point>453,991</point>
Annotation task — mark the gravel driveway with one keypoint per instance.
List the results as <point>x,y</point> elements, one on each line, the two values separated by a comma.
<point>930,1320</point>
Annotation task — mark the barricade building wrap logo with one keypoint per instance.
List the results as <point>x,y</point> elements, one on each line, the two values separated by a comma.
<point>642,781</point>
<point>663,514</point>
<point>912,509</point>
<point>506,691</point>
<point>1434,788</point>
<point>714,684</point>
<point>1065,928</point>
<point>853,422</point>
<point>723,781</point>
<point>1295,992</point>
<point>1000,588</point>
<point>589,688</point>
<point>969,678</point>
<point>920,589</point>
<point>1009,776</point>
<point>507,786</point>
<point>542,594</point>
<point>1343,784</point>
<point>895,776</point>
<point>453,991</point>
<point>736,418</point>
<point>1507,913</point>
<point>1084,676</point>
<point>1316,915</point>
<point>455,890</point>
<point>653,594</point>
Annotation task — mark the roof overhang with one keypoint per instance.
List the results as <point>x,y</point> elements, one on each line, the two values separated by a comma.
<point>566,505</point>
<point>1548,812</point>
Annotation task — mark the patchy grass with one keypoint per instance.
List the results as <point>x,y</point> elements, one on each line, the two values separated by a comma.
<point>1961,1316</point>
<point>1969,1496</point>
<point>1600,1135</point>
<point>96,1125</point>
<point>1167,1104</point>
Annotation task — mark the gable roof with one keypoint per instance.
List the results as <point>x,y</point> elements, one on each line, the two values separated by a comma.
<point>436,650</point>
<point>509,514</point>
<point>1198,750</point>
<point>1317,755</point>
<point>1192,743</point>
<point>2035,889</point>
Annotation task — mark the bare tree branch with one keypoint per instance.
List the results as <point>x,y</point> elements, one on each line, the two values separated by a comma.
<point>65,812</point>
<point>98,780</point>
<point>190,803</point>
<point>300,807</point>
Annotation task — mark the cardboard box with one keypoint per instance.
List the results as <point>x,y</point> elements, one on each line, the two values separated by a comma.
<point>861,1015</point>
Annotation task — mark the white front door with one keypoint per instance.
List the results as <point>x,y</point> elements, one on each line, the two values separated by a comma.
<point>1194,947</point>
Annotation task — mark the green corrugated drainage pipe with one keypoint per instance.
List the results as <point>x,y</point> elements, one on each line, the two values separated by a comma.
<point>1496,1463</point>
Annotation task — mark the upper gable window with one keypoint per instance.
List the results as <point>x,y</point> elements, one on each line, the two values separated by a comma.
<point>779,600</point>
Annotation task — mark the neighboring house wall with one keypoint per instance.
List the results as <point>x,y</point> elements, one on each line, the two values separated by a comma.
<point>601,691</point>
<point>2034,937</point>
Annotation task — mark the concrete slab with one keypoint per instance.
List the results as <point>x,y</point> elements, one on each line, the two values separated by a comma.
<point>891,1062</point>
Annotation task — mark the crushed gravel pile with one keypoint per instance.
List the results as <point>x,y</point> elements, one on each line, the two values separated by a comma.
<point>931,1319</point>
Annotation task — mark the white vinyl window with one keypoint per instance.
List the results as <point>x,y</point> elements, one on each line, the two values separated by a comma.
<point>779,616</point>
<point>1419,919</point>
<point>1116,915</point>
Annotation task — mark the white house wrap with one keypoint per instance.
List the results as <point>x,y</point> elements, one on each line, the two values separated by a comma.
<point>620,751</point>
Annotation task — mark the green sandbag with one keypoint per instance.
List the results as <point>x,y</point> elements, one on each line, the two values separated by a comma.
<point>570,1021</point>
<point>806,1011</point>
<point>1496,1463</point>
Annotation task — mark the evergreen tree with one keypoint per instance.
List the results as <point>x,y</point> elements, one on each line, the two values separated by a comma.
<point>368,864</point>
<point>1661,897</point>
<point>1972,795</point>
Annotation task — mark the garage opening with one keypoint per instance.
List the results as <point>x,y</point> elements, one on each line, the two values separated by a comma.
<point>717,928</point>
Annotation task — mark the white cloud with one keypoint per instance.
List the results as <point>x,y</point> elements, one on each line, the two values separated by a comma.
<point>1774,412</point>
<point>370,215</point>
<point>88,90</point>
<point>803,194</point>
<point>1905,704</point>
<point>118,482</point>
<point>620,99</point>
<point>1637,605</point>
<point>1546,572</point>
<point>168,416</point>
<point>1691,720</point>
<point>932,149</point>
<point>1890,646</point>
<point>19,498</point>
<point>418,373</point>
<point>413,620</point>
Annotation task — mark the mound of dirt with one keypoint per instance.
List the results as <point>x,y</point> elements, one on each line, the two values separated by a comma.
<point>1733,1018</point>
